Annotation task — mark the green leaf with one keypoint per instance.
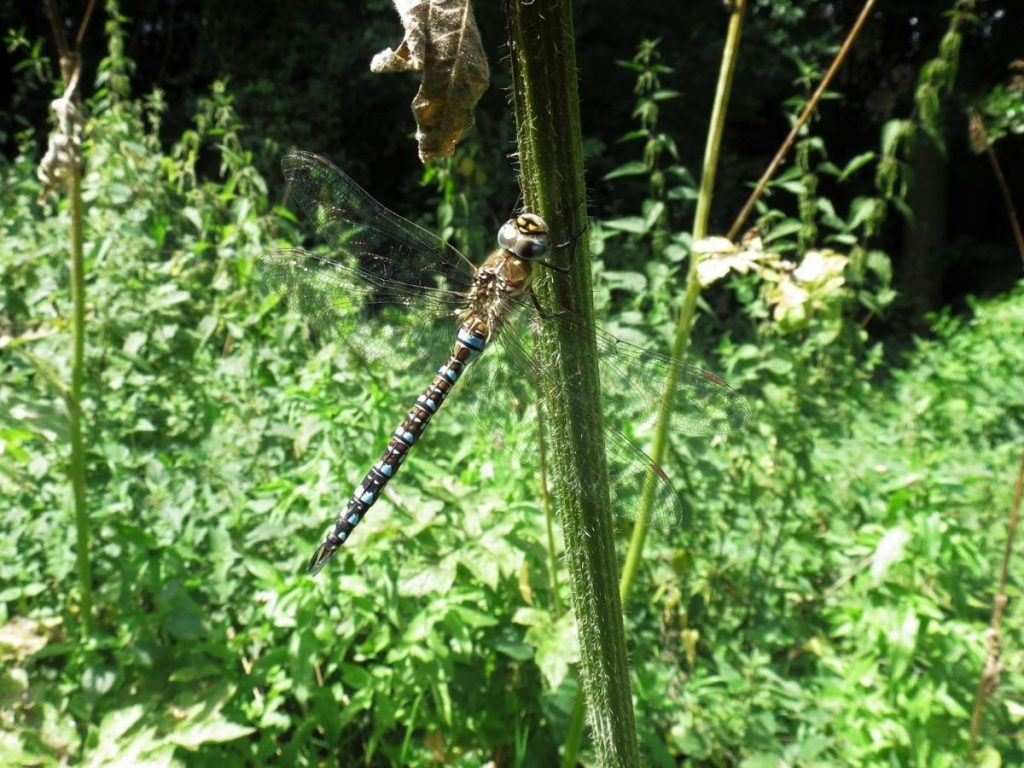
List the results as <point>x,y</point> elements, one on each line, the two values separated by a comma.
<point>134,342</point>
<point>630,282</point>
<point>632,168</point>
<point>214,730</point>
<point>787,227</point>
<point>418,580</point>
<point>861,209</point>
<point>653,214</point>
<point>631,224</point>
<point>856,163</point>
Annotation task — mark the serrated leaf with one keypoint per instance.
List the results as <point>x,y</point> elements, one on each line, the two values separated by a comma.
<point>632,224</point>
<point>633,168</point>
<point>856,164</point>
<point>217,730</point>
<point>437,579</point>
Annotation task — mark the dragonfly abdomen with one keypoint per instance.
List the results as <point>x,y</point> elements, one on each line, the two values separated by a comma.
<point>470,342</point>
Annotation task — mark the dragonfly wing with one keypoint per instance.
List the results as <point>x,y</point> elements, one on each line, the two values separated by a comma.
<point>383,243</point>
<point>632,382</point>
<point>630,472</point>
<point>343,302</point>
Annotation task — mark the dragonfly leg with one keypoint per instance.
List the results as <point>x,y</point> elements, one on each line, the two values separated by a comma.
<point>552,265</point>
<point>540,310</point>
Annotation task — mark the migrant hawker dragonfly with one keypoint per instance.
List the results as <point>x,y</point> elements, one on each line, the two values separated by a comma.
<point>381,267</point>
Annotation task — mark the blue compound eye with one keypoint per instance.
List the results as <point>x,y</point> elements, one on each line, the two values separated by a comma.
<point>531,246</point>
<point>508,235</point>
<point>526,236</point>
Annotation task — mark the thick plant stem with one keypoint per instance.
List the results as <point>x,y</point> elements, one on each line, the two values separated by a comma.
<point>546,103</point>
<point>730,54</point>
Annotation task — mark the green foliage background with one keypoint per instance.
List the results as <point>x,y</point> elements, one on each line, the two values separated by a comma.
<point>825,603</point>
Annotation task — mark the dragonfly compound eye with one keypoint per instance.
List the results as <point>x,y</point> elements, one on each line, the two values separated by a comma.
<point>532,246</point>
<point>508,235</point>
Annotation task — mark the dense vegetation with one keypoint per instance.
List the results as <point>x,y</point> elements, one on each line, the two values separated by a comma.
<point>826,602</point>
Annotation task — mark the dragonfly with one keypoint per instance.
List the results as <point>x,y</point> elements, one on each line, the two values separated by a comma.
<point>399,293</point>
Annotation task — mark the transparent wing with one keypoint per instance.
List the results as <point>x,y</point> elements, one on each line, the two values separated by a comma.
<point>382,266</point>
<point>380,243</point>
<point>346,303</point>
<point>632,382</point>
<point>375,267</point>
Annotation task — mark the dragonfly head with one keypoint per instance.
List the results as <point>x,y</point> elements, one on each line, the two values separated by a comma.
<point>526,236</point>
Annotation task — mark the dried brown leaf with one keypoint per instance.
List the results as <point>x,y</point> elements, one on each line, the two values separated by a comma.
<point>442,41</point>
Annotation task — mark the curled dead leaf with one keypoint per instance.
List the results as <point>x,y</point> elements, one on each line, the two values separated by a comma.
<point>441,40</point>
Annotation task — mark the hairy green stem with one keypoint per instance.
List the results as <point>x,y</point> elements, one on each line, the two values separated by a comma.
<point>546,102</point>
<point>73,396</point>
<point>684,327</point>
<point>82,528</point>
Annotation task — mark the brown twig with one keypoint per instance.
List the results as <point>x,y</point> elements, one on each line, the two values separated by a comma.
<point>993,640</point>
<point>84,25</point>
<point>979,138</point>
<point>762,183</point>
<point>53,14</point>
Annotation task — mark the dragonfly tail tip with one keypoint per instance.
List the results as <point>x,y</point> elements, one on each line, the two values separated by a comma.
<point>319,559</point>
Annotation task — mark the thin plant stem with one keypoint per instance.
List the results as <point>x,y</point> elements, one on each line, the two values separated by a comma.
<point>549,513</point>
<point>70,62</point>
<point>979,138</point>
<point>84,26</point>
<point>993,661</point>
<point>684,326</point>
<point>812,104</point>
<point>574,734</point>
<point>1011,209</point>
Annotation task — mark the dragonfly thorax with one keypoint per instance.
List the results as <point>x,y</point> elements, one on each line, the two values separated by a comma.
<point>526,236</point>
<point>498,282</point>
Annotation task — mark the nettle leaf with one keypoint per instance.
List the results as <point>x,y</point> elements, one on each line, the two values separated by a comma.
<point>634,225</point>
<point>631,282</point>
<point>632,168</point>
<point>421,581</point>
<point>442,41</point>
<point>856,164</point>
<point>889,551</point>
